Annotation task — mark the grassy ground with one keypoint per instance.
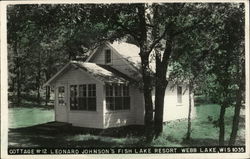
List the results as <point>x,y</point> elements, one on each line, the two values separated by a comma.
<point>204,131</point>
<point>204,128</point>
<point>25,116</point>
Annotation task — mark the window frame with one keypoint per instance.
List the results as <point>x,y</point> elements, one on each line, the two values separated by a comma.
<point>179,94</point>
<point>117,97</point>
<point>85,92</point>
<point>73,101</point>
<point>109,91</point>
<point>107,56</point>
<point>61,96</point>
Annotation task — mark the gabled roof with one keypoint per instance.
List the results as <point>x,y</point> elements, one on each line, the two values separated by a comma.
<point>102,73</point>
<point>129,52</point>
<point>106,75</point>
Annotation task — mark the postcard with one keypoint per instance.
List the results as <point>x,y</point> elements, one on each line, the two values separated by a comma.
<point>126,79</point>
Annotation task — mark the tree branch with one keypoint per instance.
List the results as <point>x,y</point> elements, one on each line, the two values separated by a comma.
<point>157,40</point>
<point>149,25</point>
<point>129,31</point>
<point>191,27</point>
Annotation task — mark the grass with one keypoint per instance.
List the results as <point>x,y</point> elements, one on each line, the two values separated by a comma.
<point>204,128</point>
<point>204,132</point>
<point>24,116</point>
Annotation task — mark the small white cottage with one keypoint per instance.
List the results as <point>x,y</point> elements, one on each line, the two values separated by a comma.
<point>100,93</point>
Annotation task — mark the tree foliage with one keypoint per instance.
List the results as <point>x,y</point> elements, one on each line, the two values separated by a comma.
<point>201,43</point>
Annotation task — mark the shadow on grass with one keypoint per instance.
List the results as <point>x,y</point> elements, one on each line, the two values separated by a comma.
<point>201,142</point>
<point>53,134</point>
<point>44,135</point>
<point>209,142</point>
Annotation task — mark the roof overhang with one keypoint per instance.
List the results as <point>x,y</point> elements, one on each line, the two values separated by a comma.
<point>100,73</point>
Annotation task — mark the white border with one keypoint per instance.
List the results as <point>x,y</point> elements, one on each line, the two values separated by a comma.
<point>4,82</point>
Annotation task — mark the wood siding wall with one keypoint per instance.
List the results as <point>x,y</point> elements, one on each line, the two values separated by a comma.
<point>117,62</point>
<point>126,117</point>
<point>174,110</point>
<point>92,119</point>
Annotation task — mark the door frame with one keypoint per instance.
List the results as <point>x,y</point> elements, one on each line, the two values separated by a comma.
<point>65,85</point>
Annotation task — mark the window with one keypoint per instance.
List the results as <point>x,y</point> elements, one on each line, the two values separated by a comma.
<point>179,94</point>
<point>73,97</point>
<point>61,95</point>
<point>82,97</point>
<point>117,97</point>
<point>126,98</point>
<point>92,97</point>
<point>109,98</point>
<point>107,56</point>
<point>86,100</point>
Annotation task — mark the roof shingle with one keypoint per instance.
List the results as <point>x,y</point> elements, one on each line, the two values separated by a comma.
<point>108,75</point>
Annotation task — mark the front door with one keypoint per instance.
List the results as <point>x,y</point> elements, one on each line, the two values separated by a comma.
<point>61,105</point>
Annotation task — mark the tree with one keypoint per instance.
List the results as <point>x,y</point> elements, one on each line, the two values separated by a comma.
<point>190,63</point>
<point>41,39</point>
<point>177,20</point>
<point>226,61</point>
<point>237,20</point>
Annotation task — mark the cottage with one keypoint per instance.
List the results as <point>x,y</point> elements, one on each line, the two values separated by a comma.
<point>101,92</point>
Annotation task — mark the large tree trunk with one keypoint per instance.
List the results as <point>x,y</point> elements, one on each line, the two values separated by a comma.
<point>159,104</point>
<point>148,103</point>
<point>148,118</point>
<point>161,83</point>
<point>239,99</point>
<point>146,77</point>
<point>188,136</point>
<point>147,88</point>
<point>235,122</point>
<point>222,125</point>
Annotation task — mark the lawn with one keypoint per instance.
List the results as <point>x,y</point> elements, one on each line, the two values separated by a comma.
<point>25,116</point>
<point>204,132</point>
<point>204,129</point>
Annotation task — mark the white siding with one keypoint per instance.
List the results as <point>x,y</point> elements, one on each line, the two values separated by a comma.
<point>93,119</point>
<point>126,117</point>
<point>174,110</point>
<point>99,57</point>
<point>117,61</point>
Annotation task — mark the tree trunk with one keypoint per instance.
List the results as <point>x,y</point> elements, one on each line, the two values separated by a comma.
<point>222,125</point>
<point>47,98</point>
<point>38,96</point>
<point>18,75</point>
<point>239,99</point>
<point>189,113</point>
<point>146,77</point>
<point>18,88</point>
<point>38,83</point>
<point>235,122</point>
<point>147,88</point>
<point>148,103</point>
<point>161,84</point>
<point>159,104</point>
